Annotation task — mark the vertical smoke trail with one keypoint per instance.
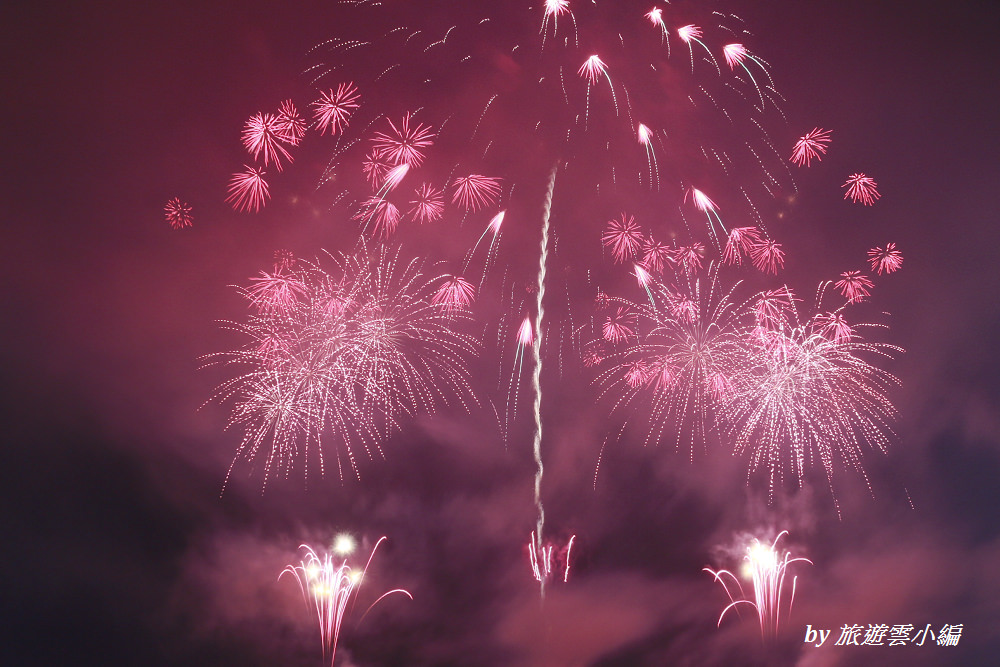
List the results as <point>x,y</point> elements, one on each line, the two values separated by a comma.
<point>536,349</point>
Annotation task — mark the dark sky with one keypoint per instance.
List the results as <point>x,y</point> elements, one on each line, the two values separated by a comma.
<point>118,548</point>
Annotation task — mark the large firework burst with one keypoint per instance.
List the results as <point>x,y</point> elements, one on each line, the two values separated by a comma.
<point>341,355</point>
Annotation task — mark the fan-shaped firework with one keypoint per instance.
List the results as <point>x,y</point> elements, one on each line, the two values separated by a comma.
<point>248,190</point>
<point>885,260</point>
<point>340,357</point>
<point>766,569</point>
<point>328,585</point>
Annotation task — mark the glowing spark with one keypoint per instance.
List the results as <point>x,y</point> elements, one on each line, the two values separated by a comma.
<point>767,256</point>
<point>545,559</point>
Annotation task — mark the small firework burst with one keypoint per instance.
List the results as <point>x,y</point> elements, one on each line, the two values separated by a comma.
<point>404,144</point>
<point>623,237</point>
<point>741,242</point>
<point>474,192</point>
<point>333,109</point>
<point>885,260</point>
<point>455,295</point>
<point>248,190</point>
<point>861,188</point>
<point>263,136</point>
<point>177,213</point>
<point>546,560</point>
<point>811,146</point>
<point>767,256</point>
<point>854,285</point>
<point>428,204</point>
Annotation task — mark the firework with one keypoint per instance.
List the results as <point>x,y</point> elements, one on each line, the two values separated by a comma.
<point>886,259</point>
<point>340,356</point>
<point>474,192</point>
<point>291,126</point>
<point>619,326</point>
<point>741,242</point>
<point>177,213</point>
<point>263,136</point>
<point>861,188</point>
<point>455,294</point>
<point>328,584</point>
<point>767,256</point>
<point>623,237</point>
<point>804,394</point>
<point>766,568</point>
<point>248,190</point>
<point>334,108</point>
<point>854,285</point>
<point>812,145</point>
<point>428,205</point>
<point>689,340</point>
<point>546,560</point>
<point>404,144</point>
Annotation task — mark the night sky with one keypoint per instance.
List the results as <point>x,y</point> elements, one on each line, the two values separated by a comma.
<point>119,547</point>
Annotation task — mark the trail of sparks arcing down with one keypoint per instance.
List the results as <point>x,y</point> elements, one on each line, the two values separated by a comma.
<point>545,559</point>
<point>536,350</point>
<point>328,584</point>
<point>766,569</point>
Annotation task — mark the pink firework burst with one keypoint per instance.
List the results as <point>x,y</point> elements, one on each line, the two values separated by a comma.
<point>457,294</point>
<point>177,213</point>
<point>684,309</point>
<point>742,241</point>
<point>474,192</point>
<point>404,144</point>
<point>812,145</point>
<point>248,190</point>
<point>291,126</point>
<point>592,69</point>
<point>394,177</point>
<point>262,136</point>
<point>619,326</point>
<point>772,306</point>
<point>767,256</point>
<point>656,256</point>
<point>333,109</point>
<point>854,285</point>
<point>688,33</point>
<point>834,327</point>
<point>428,206</point>
<point>642,275</point>
<point>886,259</point>
<point>735,54</point>
<point>701,201</point>
<point>375,168</point>
<point>623,237</point>
<point>275,292</point>
<point>690,256</point>
<point>382,213</point>
<point>861,188</point>
<point>637,374</point>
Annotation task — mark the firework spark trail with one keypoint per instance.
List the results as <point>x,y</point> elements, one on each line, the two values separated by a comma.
<point>536,350</point>
<point>767,570</point>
